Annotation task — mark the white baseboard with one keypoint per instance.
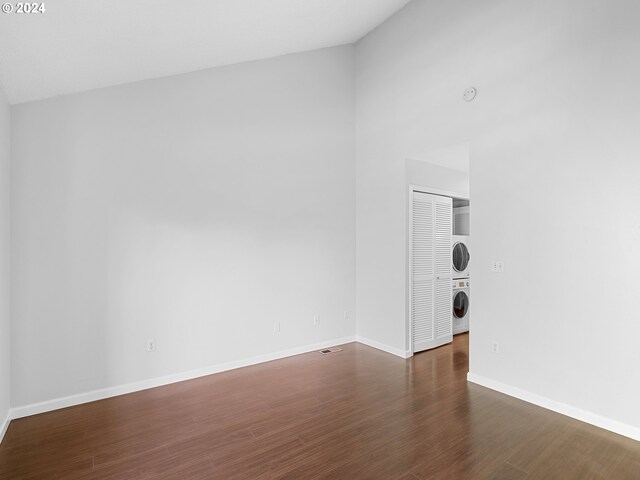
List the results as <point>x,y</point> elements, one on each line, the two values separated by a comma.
<point>558,407</point>
<point>381,346</point>
<point>63,402</point>
<point>5,425</point>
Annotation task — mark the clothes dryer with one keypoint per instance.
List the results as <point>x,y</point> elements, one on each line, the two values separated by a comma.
<point>460,256</point>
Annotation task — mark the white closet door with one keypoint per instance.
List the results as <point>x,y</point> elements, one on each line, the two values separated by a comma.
<point>430,263</point>
<point>444,264</point>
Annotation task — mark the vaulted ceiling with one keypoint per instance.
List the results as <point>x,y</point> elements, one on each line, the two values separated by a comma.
<point>81,45</point>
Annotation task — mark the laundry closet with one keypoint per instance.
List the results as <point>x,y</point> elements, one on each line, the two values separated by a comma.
<point>440,266</point>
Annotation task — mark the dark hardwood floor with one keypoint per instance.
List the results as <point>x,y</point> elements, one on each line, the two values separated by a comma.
<point>356,414</point>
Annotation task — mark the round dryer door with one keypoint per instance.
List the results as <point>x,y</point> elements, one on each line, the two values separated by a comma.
<point>460,304</point>
<point>460,257</point>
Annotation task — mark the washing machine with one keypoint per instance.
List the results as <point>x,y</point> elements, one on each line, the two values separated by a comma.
<point>460,316</point>
<point>460,256</point>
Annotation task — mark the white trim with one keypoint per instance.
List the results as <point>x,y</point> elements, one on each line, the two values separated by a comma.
<point>5,425</point>
<point>385,348</point>
<point>437,191</point>
<point>409,269</point>
<point>63,402</point>
<point>558,407</point>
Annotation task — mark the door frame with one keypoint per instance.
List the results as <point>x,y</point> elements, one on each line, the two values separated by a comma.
<point>409,257</point>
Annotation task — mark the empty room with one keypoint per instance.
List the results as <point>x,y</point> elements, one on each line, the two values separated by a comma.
<point>319,239</point>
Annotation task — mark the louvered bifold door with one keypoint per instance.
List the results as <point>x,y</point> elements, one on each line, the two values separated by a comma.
<point>423,270</point>
<point>430,263</point>
<point>443,291</point>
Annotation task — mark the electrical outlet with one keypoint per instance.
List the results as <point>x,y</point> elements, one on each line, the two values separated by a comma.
<point>151,345</point>
<point>495,347</point>
<point>276,327</point>
<point>316,320</point>
<point>346,314</point>
<point>497,266</point>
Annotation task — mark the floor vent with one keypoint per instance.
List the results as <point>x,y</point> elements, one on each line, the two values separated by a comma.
<point>327,351</point>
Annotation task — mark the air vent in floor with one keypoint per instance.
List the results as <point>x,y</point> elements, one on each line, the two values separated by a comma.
<point>327,351</point>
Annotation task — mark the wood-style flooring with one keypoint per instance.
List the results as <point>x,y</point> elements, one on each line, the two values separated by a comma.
<point>357,414</point>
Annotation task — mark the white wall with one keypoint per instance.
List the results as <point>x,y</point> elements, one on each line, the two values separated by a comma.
<point>5,336</point>
<point>436,178</point>
<point>195,210</point>
<point>554,180</point>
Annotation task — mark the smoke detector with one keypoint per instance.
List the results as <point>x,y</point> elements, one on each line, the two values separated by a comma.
<point>469,94</point>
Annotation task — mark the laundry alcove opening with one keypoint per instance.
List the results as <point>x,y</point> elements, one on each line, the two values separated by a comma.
<point>439,263</point>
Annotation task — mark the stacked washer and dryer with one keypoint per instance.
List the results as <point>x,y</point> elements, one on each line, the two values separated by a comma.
<point>460,261</point>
